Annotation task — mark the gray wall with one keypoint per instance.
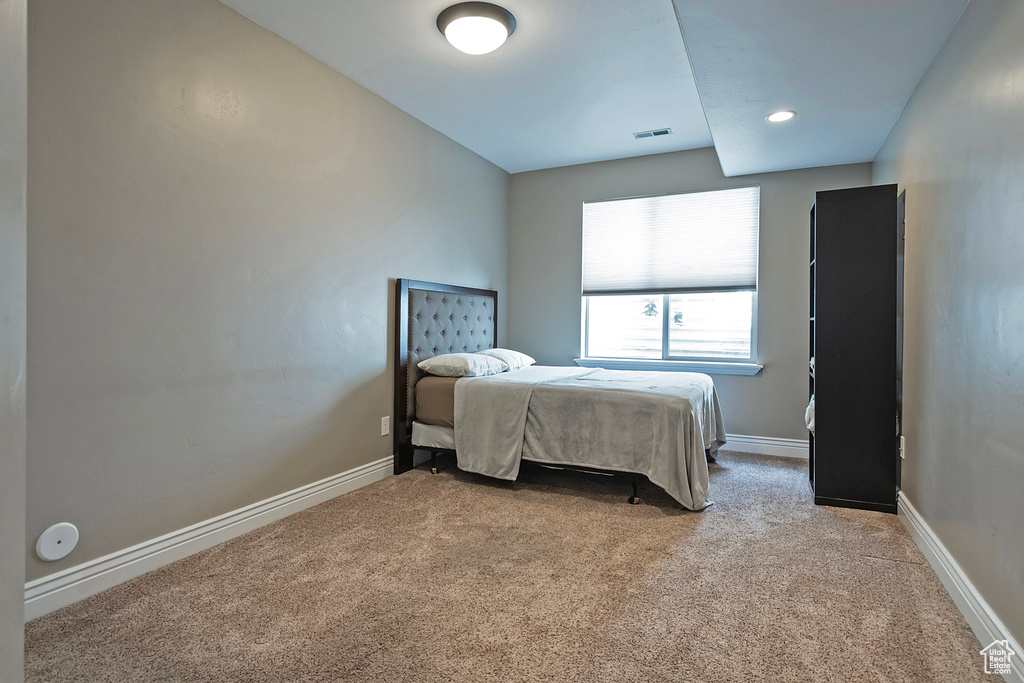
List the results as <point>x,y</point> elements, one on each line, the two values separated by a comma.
<point>958,150</point>
<point>12,337</point>
<point>545,270</point>
<point>215,218</point>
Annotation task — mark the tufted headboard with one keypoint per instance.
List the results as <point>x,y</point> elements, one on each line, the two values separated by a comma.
<point>431,319</point>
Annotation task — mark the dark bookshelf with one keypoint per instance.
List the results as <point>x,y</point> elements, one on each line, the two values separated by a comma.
<point>854,450</point>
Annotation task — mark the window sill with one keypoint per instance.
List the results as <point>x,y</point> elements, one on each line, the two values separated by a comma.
<point>709,367</point>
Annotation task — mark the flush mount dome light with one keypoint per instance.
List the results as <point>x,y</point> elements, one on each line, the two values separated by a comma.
<point>476,28</point>
<point>780,116</point>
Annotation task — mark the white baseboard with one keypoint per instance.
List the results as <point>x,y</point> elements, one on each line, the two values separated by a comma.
<point>75,583</point>
<point>767,445</point>
<point>979,615</point>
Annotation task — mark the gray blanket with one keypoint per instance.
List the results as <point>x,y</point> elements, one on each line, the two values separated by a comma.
<point>658,424</point>
<point>490,417</point>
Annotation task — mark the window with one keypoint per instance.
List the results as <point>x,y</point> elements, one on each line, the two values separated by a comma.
<point>672,277</point>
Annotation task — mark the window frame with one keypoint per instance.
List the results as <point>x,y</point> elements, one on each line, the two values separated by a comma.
<point>748,363</point>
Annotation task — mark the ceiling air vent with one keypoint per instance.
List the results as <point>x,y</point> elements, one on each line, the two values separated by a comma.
<point>652,133</point>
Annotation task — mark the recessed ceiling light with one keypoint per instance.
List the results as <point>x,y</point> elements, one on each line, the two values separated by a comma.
<point>780,116</point>
<point>476,28</point>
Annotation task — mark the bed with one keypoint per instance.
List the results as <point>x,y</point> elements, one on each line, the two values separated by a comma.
<point>662,426</point>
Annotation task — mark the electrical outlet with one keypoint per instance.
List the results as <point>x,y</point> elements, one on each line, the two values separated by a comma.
<point>385,426</point>
<point>903,447</point>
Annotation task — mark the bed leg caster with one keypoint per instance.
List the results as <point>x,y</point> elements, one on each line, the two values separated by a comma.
<point>635,499</point>
<point>433,462</point>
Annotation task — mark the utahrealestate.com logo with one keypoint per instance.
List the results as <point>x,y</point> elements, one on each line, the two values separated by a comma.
<point>997,657</point>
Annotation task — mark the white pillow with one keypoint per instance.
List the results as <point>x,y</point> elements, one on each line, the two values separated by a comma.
<point>513,359</point>
<point>462,365</point>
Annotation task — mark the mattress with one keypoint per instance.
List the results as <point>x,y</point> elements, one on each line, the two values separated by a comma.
<point>435,401</point>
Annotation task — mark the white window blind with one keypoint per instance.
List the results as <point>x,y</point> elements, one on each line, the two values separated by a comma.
<point>700,241</point>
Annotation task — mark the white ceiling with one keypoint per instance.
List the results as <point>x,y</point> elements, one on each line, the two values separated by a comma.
<point>571,85</point>
<point>847,67</point>
<point>578,77</point>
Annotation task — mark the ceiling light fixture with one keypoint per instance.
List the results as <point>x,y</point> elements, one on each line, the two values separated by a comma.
<point>780,116</point>
<point>476,28</point>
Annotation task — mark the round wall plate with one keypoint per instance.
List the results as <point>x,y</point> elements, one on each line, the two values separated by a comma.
<point>56,542</point>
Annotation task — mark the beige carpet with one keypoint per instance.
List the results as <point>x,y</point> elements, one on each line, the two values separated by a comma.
<point>554,578</point>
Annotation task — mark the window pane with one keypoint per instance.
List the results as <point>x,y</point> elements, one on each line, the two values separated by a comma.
<point>624,326</point>
<point>710,325</point>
